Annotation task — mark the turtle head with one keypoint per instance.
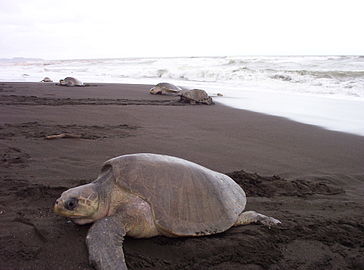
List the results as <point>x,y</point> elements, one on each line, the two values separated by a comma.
<point>81,204</point>
<point>155,90</point>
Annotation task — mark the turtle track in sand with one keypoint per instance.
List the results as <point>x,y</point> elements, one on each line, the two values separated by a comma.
<point>12,156</point>
<point>327,244</point>
<point>34,100</point>
<point>6,88</point>
<point>91,132</point>
<point>32,235</point>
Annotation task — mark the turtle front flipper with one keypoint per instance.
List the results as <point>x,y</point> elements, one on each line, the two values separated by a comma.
<point>105,244</point>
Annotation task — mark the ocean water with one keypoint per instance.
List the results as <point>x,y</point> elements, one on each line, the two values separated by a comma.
<point>326,91</point>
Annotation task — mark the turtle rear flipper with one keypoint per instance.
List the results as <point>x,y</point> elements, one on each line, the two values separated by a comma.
<point>250,217</point>
<point>105,244</point>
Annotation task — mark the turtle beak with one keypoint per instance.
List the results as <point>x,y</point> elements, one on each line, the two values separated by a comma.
<point>57,206</point>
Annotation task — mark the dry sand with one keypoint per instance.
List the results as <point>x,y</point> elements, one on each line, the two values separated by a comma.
<point>309,178</point>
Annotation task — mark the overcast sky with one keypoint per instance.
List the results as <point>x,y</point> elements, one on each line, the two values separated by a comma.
<point>137,28</point>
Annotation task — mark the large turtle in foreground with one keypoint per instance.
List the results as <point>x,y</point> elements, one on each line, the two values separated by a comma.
<point>145,195</point>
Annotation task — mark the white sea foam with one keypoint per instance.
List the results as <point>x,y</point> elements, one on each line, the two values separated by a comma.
<point>321,90</point>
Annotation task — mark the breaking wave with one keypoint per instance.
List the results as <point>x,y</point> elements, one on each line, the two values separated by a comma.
<point>323,75</point>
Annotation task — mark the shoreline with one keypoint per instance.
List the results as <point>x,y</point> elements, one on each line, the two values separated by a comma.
<point>317,192</point>
<point>340,113</point>
<point>225,127</point>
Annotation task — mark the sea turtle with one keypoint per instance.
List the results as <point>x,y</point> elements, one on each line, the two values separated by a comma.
<point>70,81</point>
<point>195,96</point>
<point>145,195</point>
<point>165,89</point>
<point>46,79</point>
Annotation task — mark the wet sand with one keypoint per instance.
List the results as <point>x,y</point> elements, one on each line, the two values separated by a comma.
<point>309,178</point>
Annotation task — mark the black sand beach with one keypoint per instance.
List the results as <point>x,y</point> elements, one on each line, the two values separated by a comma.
<point>309,178</point>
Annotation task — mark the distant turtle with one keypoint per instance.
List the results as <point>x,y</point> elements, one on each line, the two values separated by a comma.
<point>70,81</point>
<point>145,195</point>
<point>165,89</point>
<point>46,79</point>
<point>195,96</point>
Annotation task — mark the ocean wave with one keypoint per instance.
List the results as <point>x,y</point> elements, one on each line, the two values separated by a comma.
<point>65,70</point>
<point>234,62</point>
<point>281,77</point>
<point>335,74</point>
<point>327,75</point>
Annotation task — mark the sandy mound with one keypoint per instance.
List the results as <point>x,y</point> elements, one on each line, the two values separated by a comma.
<point>268,186</point>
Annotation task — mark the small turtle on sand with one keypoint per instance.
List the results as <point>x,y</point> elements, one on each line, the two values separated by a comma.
<point>70,81</point>
<point>145,195</point>
<point>195,96</point>
<point>46,79</point>
<point>165,89</point>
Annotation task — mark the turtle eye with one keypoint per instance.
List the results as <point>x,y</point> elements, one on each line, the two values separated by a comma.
<point>71,204</point>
